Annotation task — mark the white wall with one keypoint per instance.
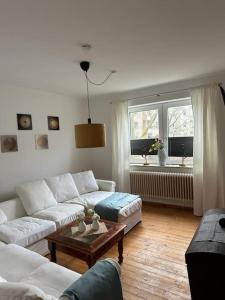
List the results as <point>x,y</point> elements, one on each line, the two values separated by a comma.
<point>101,159</point>
<point>29,163</point>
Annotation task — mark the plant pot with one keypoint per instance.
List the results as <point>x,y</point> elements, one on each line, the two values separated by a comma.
<point>162,157</point>
<point>95,225</point>
<point>82,226</point>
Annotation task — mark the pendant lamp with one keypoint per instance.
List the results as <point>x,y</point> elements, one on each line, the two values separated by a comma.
<point>90,135</point>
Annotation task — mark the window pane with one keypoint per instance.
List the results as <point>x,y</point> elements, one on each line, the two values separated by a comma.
<point>144,124</point>
<point>180,124</point>
<point>180,121</point>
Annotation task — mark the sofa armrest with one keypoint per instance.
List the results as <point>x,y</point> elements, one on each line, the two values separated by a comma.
<point>106,185</point>
<point>115,264</point>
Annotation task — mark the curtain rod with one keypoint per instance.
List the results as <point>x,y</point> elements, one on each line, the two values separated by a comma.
<point>170,92</point>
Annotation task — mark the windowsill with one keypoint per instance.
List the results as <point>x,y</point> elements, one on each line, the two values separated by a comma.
<point>158,168</point>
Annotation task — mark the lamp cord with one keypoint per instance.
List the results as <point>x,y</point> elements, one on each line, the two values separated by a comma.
<point>88,98</point>
<point>102,82</point>
<point>94,83</point>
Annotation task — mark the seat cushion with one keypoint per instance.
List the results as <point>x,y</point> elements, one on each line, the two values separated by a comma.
<point>35,196</point>
<point>63,187</point>
<point>25,231</point>
<point>17,262</point>
<point>52,278</point>
<point>18,290</point>
<point>93,198</point>
<point>85,182</point>
<point>61,214</point>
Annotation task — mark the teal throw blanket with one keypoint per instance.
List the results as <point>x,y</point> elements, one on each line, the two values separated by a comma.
<point>109,208</point>
<point>101,282</point>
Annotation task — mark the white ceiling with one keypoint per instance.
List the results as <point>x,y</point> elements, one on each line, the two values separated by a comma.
<point>148,42</point>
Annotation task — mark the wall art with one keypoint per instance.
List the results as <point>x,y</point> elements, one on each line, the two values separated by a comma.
<point>8,143</point>
<point>53,123</point>
<point>41,141</point>
<point>24,122</point>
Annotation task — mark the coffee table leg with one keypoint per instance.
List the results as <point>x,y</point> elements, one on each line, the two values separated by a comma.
<point>91,261</point>
<point>52,248</point>
<point>120,250</point>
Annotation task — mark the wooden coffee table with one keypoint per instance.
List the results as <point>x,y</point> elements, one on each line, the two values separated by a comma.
<point>88,248</point>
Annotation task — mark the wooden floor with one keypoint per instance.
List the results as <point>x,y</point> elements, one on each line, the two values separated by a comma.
<point>154,266</point>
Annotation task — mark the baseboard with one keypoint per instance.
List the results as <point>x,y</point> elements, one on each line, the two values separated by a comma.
<point>169,205</point>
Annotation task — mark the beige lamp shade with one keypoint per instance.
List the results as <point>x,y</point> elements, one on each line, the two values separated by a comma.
<point>90,135</point>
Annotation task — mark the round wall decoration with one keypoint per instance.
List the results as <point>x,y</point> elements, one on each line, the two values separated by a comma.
<point>24,122</point>
<point>53,123</point>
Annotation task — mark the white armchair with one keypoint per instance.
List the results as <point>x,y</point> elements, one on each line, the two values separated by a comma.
<point>106,185</point>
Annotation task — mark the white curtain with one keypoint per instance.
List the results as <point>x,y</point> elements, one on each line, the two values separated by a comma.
<point>209,149</point>
<point>120,146</point>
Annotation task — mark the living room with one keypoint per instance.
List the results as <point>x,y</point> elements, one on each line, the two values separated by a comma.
<point>111,110</point>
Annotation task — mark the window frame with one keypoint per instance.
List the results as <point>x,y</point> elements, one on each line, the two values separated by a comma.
<point>147,107</point>
<point>162,107</point>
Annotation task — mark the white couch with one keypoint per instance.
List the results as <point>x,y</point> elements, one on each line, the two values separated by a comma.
<point>46,205</point>
<point>25,272</point>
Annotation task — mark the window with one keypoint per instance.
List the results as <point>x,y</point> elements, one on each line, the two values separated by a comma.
<point>144,124</point>
<point>171,122</point>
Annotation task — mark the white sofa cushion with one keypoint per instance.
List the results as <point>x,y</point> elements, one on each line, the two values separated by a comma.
<point>35,196</point>
<point>61,214</point>
<point>52,278</point>
<point>20,260</point>
<point>91,199</point>
<point>63,187</point>
<point>13,209</point>
<point>25,231</point>
<point>12,290</point>
<point>3,217</point>
<point>85,182</point>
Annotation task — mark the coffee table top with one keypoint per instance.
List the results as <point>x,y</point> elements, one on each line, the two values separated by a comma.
<point>89,243</point>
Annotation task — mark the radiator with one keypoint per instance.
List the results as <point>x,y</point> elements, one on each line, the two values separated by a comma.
<point>167,188</point>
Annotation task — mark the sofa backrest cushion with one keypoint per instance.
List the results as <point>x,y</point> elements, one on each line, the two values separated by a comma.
<point>85,182</point>
<point>13,209</point>
<point>3,217</point>
<point>35,196</point>
<point>19,290</point>
<point>63,187</point>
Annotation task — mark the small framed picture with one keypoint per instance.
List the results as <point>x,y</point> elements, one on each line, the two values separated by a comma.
<point>41,141</point>
<point>24,122</point>
<point>53,123</point>
<point>8,143</point>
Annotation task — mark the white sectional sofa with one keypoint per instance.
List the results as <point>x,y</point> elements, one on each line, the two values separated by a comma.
<point>25,274</point>
<point>46,205</point>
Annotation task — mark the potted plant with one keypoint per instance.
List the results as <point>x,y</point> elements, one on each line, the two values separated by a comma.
<point>160,148</point>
